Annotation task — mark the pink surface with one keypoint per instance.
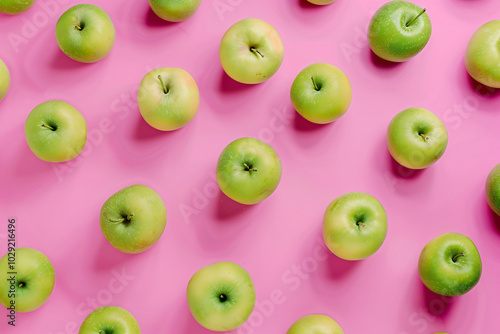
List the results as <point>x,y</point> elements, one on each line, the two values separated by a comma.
<point>279,240</point>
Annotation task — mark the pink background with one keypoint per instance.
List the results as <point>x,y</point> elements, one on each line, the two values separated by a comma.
<point>279,240</point>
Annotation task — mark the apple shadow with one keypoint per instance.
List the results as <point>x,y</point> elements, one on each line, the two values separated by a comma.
<point>228,209</point>
<point>303,125</point>
<point>304,4</point>
<point>143,131</point>
<point>494,218</point>
<point>339,268</point>
<point>382,63</point>
<point>228,85</point>
<point>480,89</point>
<point>154,21</point>
<point>62,62</point>
<point>402,172</point>
<point>108,257</point>
<point>437,305</point>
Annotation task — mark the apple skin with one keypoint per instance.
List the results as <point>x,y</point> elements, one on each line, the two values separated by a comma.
<point>35,272</point>
<point>324,100</point>
<point>444,276</point>
<point>416,138</point>
<point>133,219</point>
<point>321,2</point>
<point>65,138</point>
<point>110,319</point>
<point>225,279</point>
<point>251,51</point>
<point>93,41</point>
<point>14,7</point>
<point>242,183</point>
<point>174,109</point>
<point>174,10</point>
<point>4,80</point>
<point>482,58</point>
<point>391,39</point>
<point>493,189</point>
<point>354,226</point>
<point>315,324</point>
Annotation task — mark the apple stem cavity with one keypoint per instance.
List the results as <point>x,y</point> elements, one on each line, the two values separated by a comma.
<point>48,127</point>
<point>254,50</point>
<point>415,18</point>
<point>77,26</point>
<point>222,297</point>
<point>455,258</point>
<point>247,168</point>
<point>121,220</point>
<point>314,83</point>
<point>165,89</point>
<point>21,285</point>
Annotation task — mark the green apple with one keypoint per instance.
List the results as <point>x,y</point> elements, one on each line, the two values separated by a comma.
<point>174,10</point>
<point>221,296</point>
<point>32,285</point>
<point>248,170</point>
<point>321,93</point>
<point>416,138</point>
<point>321,2</point>
<point>315,324</point>
<point>482,58</point>
<point>168,98</point>
<point>55,131</point>
<point>251,51</point>
<point>110,320</point>
<point>450,265</point>
<point>354,226</point>
<point>133,219</point>
<point>493,189</point>
<point>85,33</point>
<point>14,7</point>
<point>399,30</point>
<point>4,79</point>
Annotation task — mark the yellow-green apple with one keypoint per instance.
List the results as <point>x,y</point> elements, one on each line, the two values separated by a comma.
<point>416,138</point>
<point>315,324</point>
<point>321,93</point>
<point>450,264</point>
<point>33,282</point>
<point>321,2</point>
<point>14,7</point>
<point>221,296</point>
<point>4,79</point>
<point>55,131</point>
<point>85,33</point>
<point>399,30</point>
<point>168,98</point>
<point>133,219</point>
<point>110,320</point>
<point>251,51</point>
<point>482,58</point>
<point>493,189</point>
<point>354,226</point>
<point>174,10</point>
<point>248,170</point>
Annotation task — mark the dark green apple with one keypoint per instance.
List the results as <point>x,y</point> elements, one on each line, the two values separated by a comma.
<point>493,189</point>
<point>450,265</point>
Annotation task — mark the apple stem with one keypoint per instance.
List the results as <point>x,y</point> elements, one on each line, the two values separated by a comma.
<point>165,90</point>
<point>21,285</point>
<point>455,258</point>
<point>314,83</point>
<point>248,168</point>
<point>424,136</point>
<point>121,220</point>
<point>416,17</point>
<point>77,26</point>
<point>48,127</point>
<point>254,50</point>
